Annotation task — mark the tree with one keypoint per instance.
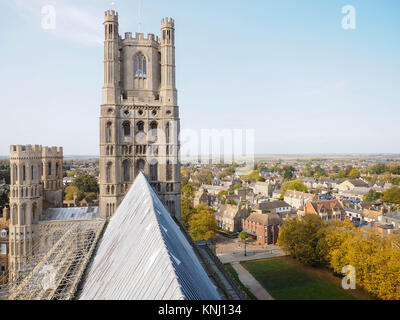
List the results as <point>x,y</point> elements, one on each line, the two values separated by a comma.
<point>378,168</point>
<point>296,185</point>
<point>254,176</point>
<point>300,237</point>
<point>86,183</point>
<point>288,174</point>
<point>372,196</point>
<point>187,211</point>
<point>202,224</point>
<point>5,174</point>
<point>342,174</point>
<point>338,244</point>
<point>71,191</point>
<point>236,186</point>
<point>4,200</point>
<point>392,195</point>
<point>242,236</point>
<point>187,191</point>
<point>222,193</point>
<point>354,174</point>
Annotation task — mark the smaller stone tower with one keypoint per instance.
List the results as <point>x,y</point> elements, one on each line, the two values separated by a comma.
<point>26,200</point>
<point>168,90</point>
<point>52,176</point>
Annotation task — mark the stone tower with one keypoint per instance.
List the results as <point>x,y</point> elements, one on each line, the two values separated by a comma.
<point>52,176</point>
<point>26,200</point>
<point>139,122</point>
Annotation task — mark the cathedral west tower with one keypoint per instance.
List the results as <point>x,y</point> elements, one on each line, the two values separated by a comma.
<point>139,122</point>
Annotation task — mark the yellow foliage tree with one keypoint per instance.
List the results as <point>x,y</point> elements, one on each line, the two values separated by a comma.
<point>202,224</point>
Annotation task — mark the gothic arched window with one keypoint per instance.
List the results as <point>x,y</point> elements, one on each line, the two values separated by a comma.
<point>140,126</point>
<point>34,213</point>
<point>154,170</point>
<point>15,174</point>
<point>153,130</point>
<point>108,132</point>
<point>126,167</point>
<point>108,172</point>
<point>127,128</point>
<point>140,65</point>
<point>22,215</point>
<point>140,165</point>
<point>14,214</point>
<point>57,170</point>
<point>167,132</point>
<point>169,171</point>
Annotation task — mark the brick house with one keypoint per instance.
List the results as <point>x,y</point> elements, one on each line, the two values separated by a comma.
<point>327,210</point>
<point>263,226</point>
<point>229,217</point>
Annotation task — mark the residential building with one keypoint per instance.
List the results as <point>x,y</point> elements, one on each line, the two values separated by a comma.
<point>391,218</point>
<point>327,210</point>
<point>371,215</point>
<point>201,197</point>
<point>279,207</point>
<point>298,199</point>
<point>214,190</point>
<point>356,185</point>
<point>265,227</point>
<point>229,217</point>
<point>264,188</point>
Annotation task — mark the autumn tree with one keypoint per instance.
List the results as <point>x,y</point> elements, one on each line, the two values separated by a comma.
<point>372,196</point>
<point>300,237</point>
<point>392,195</point>
<point>296,185</point>
<point>354,174</point>
<point>202,224</point>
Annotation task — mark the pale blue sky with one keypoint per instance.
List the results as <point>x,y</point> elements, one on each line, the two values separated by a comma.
<point>285,68</point>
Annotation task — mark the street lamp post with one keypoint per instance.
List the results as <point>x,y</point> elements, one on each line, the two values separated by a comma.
<point>245,253</point>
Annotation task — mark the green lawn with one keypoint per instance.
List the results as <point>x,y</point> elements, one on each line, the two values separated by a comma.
<point>287,279</point>
<point>234,274</point>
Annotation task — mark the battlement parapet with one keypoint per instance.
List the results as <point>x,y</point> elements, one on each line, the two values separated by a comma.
<point>167,23</point>
<point>111,16</point>
<point>25,151</point>
<point>52,152</point>
<point>150,37</point>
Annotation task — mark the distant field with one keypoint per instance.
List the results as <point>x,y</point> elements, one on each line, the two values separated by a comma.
<point>286,279</point>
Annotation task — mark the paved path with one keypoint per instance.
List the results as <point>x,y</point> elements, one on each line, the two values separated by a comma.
<point>239,256</point>
<point>251,283</point>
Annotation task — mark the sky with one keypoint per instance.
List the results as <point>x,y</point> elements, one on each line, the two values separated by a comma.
<point>286,69</point>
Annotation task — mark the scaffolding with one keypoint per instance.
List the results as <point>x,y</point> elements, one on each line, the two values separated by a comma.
<point>54,272</point>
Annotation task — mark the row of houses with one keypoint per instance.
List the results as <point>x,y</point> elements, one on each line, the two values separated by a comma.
<point>251,207</point>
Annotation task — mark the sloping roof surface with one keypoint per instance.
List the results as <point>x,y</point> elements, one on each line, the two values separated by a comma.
<point>86,213</point>
<point>359,183</point>
<point>272,205</point>
<point>143,255</point>
<point>265,219</point>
